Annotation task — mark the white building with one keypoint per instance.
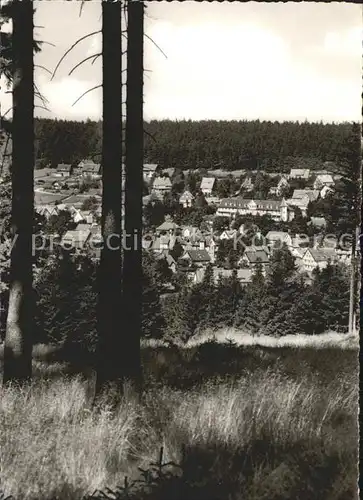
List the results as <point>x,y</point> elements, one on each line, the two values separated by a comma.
<point>312,194</point>
<point>323,180</point>
<point>149,169</point>
<point>325,190</point>
<point>228,234</point>
<point>299,173</point>
<point>318,258</point>
<point>161,186</point>
<point>278,210</point>
<point>278,237</point>
<point>281,185</point>
<point>301,203</point>
<point>186,199</point>
<point>207,185</point>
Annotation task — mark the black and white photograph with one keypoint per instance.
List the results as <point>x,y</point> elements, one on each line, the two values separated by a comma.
<point>180,262</point>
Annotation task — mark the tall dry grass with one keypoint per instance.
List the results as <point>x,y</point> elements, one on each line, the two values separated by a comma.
<point>246,338</point>
<point>260,436</point>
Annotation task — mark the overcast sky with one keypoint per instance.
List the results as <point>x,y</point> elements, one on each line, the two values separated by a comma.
<point>273,61</point>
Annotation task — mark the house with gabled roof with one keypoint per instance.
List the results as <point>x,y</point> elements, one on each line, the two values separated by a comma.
<point>244,276</point>
<point>278,238</point>
<point>92,170</point>
<point>325,191</point>
<point>299,173</point>
<point>86,161</point>
<point>186,199</point>
<point>191,232</point>
<point>301,203</point>
<point>228,234</point>
<point>319,222</point>
<point>161,186</point>
<point>149,170</point>
<point>88,216</point>
<point>76,239</point>
<point>168,226</point>
<point>253,257</point>
<point>199,257</point>
<point>247,184</point>
<point>282,184</point>
<point>63,170</point>
<point>170,172</point>
<point>207,185</point>
<point>46,210</point>
<point>194,263</point>
<point>314,258</point>
<point>312,194</point>
<point>323,180</point>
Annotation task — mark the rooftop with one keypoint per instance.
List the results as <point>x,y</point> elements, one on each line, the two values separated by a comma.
<point>198,255</point>
<point>207,183</point>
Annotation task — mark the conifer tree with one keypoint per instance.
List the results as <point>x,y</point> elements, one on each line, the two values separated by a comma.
<point>251,305</point>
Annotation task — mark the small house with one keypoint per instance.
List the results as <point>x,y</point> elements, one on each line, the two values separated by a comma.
<point>167,227</point>
<point>149,170</point>
<point>207,185</point>
<point>92,170</point>
<point>253,257</point>
<point>319,222</point>
<point>76,239</point>
<point>161,186</point>
<point>325,191</point>
<point>186,199</point>
<point>299,173</point>
<point>282,185</point>
<point>228,234</point>
<point>312,194</point>
<point>317,258</point>
<point>196,257</point>
<point>244,276</point>
<point>63,170</point>
<point>275,238</point>
<point>323,180</point>
<point>247,184</point>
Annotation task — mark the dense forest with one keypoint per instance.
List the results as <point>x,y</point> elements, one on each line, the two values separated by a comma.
<point>272,146</point>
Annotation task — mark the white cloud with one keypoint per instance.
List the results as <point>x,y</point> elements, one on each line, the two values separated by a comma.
<point>95,45</point>
<point>63,93</point>
<point>238,72</point>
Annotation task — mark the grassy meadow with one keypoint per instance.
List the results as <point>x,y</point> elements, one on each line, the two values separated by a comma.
<point>238,421</point>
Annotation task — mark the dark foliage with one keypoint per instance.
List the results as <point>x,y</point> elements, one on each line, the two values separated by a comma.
<point>226,144</point>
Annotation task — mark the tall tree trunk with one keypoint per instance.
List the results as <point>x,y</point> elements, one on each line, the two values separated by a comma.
<point>110,369</point>
<point>18,340</point>
<point>132,269</point>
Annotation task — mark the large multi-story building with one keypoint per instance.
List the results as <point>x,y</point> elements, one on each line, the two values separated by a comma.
<point>278,210</point>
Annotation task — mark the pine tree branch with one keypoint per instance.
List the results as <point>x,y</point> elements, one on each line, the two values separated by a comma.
<point>42,107</point>
<point>71,48</point>
<point>95,56</point>
<point>156,45</point>
<point>150,135</point>
<point>38,94</point>
<point>6,112</point>
<point>42,67</point>
<point>87,91</point>
<point>44,41</point>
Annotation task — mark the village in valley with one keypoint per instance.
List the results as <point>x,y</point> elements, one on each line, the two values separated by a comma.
<point>190,223</point>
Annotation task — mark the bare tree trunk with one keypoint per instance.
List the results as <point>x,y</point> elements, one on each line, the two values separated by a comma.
<point>353,284</point>
<point>132,269</point>
<point>18,341</point>
<point>110,369</point>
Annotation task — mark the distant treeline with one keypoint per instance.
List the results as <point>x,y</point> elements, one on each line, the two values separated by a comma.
<point>204,144</point>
